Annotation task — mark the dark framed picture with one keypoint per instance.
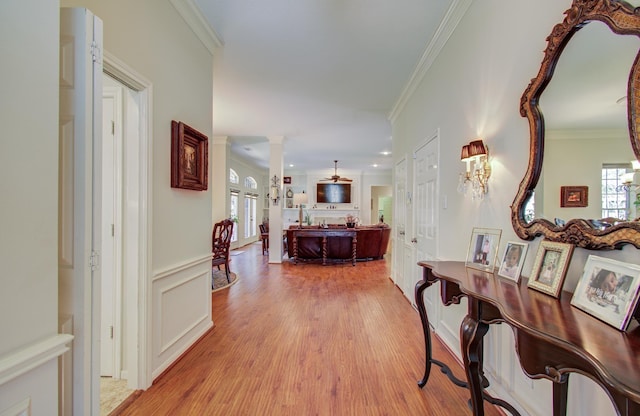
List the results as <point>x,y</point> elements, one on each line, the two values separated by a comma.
<point>189,157</point>
<point>512,260</point>
<point>550,267</point>
<point>608,290</point>
<point>286,180</point>
<point>574,196</point>
<point>483,249</point>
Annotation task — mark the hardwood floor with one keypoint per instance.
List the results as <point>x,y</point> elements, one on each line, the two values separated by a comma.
<point>307,340</point>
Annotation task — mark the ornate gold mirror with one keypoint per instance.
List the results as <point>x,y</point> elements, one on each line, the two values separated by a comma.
<point>605,46</point>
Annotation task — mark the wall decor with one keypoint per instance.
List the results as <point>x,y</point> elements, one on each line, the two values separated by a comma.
<point>286,180</point>
<point>189,157</point>
<point>622,21</point>
<point>608,290</point>
<point>574,196</point>
<point>550,267</point>
<point>483,248</point>
<point>512,260</point>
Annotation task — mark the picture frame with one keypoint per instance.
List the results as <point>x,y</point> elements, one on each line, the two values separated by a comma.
<point>286,180</point>
<point>189,157</point>
<point>550,267</point>
<point>574,196</point>
<point>608,291</point>
<point>483,248</point>
<point>512,260</point>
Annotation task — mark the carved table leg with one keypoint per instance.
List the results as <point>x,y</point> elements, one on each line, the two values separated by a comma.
<point>295,250</point>
<point>560,390</point>
<point>324,251</point>
<point>419,289</point>
<point>354,244</point>
<point>471,333</point>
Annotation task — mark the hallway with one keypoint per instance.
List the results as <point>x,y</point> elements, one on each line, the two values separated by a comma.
<point>307,340</point>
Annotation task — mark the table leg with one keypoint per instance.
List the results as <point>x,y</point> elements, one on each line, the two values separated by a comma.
<point>472,332</point>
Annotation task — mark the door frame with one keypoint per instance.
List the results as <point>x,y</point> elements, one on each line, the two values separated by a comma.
<point>138,217</point>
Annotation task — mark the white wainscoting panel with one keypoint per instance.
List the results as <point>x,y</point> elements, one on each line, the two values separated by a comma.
<point>181,310</point>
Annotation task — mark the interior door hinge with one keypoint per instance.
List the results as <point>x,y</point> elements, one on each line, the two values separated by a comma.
<point>96,53</point>
<point>94,260</point>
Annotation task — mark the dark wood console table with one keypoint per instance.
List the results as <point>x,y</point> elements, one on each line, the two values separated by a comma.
<point>552,338</point>
<point>324,233</point>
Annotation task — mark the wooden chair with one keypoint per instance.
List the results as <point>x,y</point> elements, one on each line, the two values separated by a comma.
<point>264,237</point>
<point>220,243</point>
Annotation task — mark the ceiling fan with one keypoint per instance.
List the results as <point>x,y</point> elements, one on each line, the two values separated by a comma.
<point>336,177</point>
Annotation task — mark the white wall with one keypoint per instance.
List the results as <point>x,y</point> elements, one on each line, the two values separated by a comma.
<point>473,89</point>
<point>29,208</point>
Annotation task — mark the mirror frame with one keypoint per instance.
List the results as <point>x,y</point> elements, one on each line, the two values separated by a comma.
<point>622,19</point>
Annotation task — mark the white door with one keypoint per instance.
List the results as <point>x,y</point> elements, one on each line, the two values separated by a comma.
<point>79,133</point>
<point>111,270</point>
<point>425,228</point>
<point>399,224</point>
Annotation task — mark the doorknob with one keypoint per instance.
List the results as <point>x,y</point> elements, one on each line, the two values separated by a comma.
<point>414,240</point>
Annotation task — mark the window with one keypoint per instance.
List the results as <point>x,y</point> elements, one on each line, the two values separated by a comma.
<point>250,183</point>
<point>233,211</point>
<point>615,199</point>
<point>233,177</point>
<point>250,202</point>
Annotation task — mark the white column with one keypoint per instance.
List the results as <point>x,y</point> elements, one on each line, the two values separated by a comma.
<point>275,211</point>
<point>220,149</point>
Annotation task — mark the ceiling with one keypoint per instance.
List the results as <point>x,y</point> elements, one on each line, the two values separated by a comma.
<point>323,74</point>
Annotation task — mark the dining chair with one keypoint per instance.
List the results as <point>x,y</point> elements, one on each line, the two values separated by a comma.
<point>220,244</point>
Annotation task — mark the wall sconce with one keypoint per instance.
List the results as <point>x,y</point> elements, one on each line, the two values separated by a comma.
<point>477,176</point>
<point>628,178</point>
<point>299,200</point>
<point>274,195</point>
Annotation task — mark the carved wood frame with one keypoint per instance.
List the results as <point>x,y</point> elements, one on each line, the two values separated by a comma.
<point>622,19</point>
<point>189,143</point>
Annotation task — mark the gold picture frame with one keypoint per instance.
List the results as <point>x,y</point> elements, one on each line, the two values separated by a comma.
<point>550,267</point>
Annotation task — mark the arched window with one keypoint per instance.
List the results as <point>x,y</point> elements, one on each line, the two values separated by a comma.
<point>233,177</point>
<point>250,183</point>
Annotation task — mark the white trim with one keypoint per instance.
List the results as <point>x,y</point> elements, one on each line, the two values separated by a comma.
<point>16,364</point>
<point>447,26</point>
<point>192,15</point>
<point>140,360</point>
<point>181,267</point>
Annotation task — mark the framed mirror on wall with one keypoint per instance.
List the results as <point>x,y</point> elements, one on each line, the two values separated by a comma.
<point>582,109</point>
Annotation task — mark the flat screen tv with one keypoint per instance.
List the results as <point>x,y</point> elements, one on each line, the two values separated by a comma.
<point>333,193</point>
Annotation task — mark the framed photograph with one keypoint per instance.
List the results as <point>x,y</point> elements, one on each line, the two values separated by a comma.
<point>483,249</point>
<point>512,260</point>
<point>550,267</point>
<point>189,157</point>
<point>608,290</point>
<point>286,180</point>
<point>574,196</point>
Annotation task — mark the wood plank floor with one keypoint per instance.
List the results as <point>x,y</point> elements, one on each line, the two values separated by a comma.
<point>307,340</point>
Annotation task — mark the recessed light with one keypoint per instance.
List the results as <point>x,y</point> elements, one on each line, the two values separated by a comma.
<point>375,165</point>
<point>385,153</point>
<point>291,165</point>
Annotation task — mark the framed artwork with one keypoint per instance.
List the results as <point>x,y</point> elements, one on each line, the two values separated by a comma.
<point>550,267</point>
<point>286,180</point>
<point>483,249</point>
<point>608,290</point>
<point>189,157</point>
<point>574,196</point>
<point>512,260</point>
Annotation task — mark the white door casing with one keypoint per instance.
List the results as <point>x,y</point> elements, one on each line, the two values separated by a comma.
<point>399,222</point>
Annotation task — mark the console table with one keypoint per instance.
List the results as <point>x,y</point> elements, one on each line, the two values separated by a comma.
<point>552,338</point>
<point>324,234</point>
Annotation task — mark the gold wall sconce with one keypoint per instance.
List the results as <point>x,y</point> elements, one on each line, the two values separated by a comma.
<point>478,169</point>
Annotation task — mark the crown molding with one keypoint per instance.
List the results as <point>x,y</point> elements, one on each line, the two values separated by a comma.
<point>448,24</point>
<point>198,24</point>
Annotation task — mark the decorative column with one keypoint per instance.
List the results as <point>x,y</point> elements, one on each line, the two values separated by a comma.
<point>220,150</point>
<point>276,170</point>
